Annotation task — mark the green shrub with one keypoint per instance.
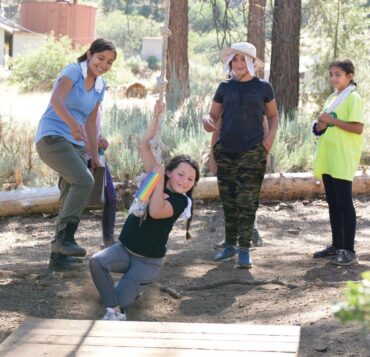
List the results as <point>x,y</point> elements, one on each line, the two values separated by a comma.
<point>136,64</point>
<point>38,70</point>
<point>357,304</point>
<point>294,144</point>
<point>153,63</point>
<point>126,31</point>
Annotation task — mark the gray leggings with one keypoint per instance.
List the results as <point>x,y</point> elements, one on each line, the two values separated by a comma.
<point>138,273</point>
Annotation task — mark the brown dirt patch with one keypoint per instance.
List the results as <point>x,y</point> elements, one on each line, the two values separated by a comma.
<point>291,232</point>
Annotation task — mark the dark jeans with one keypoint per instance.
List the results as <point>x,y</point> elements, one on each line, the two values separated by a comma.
<point>109,210</point>
<point>108,217</point>
<point>341,211</point>
<point>240,177</point>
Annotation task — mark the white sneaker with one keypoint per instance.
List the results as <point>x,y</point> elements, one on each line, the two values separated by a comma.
<point>112,315</point>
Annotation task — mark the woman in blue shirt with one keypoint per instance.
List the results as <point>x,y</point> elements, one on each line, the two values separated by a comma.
<point>67,124</point>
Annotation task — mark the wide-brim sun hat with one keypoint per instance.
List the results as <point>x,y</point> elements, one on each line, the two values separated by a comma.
<point>242,48</point>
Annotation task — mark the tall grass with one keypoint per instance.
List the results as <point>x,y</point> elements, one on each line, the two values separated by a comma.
<point>124,121</point>
<point>294,144</point>
<point>182,132</point>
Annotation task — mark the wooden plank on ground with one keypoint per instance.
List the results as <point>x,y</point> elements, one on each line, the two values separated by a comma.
<point>79,338</point>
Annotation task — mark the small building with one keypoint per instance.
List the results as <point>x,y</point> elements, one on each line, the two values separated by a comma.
<point>15,40</point>
<point>151,46</point>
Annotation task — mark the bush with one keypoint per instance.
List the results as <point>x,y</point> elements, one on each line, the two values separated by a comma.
<point>38,70</point>
<point>136,64</point>
<point>126,31</point>
<point>153,63</point>
<point>357,305</point>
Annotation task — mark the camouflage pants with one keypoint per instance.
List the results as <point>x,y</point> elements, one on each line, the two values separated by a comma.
<point>240,177</point>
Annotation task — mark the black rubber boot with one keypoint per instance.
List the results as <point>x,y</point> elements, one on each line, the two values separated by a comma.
<point>65,243</point>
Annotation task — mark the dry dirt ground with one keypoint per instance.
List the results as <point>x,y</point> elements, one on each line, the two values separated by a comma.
<point>291,232</point>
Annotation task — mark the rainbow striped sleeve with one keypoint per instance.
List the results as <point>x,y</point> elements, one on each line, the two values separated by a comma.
<point>147,186</point>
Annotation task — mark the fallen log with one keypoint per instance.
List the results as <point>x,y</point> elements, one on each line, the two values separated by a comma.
<point>286,186</point>
<point>283,187</point>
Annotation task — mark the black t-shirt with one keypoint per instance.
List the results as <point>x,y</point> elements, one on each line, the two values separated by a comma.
<point>243,108</point>
<point>150,238</point>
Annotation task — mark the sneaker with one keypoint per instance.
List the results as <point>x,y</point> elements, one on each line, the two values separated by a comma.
<point>112,315</point>
<point>244,259</point>
<point>228,253</point>
<point>345,257</point>
<point>256,238</point>
<point>329,251</point>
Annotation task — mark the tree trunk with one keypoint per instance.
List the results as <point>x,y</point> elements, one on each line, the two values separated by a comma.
<point>284,187</point>
<point>256,29</point>
<point>284,72</point>
<point>177,55</point>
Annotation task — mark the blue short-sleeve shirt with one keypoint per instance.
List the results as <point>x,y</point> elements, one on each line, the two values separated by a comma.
<point>79,102</point>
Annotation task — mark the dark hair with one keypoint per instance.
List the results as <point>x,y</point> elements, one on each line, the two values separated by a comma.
<point>176,161</point>
<point>346,65</point>
<point>99,45</point>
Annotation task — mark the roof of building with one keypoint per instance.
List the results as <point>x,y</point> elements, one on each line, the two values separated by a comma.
<point>10,26</point>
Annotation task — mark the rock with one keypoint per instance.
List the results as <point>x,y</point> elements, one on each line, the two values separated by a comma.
<point>321,348</point>
<point>212,228</point>
<point>294,231</point>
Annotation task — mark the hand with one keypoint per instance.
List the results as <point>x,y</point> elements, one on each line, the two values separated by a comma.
<point>208,123</point>
<point>158,108</point>
<point>212,165</point>
<point>158,169</point>
<point>320,126</point>
<point>267,144</point>
<point>326,118</point>
<point>103,144</point>
<point>95,162</point>
<point>78,132</point>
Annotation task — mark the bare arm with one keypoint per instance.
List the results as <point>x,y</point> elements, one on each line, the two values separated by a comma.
<point>159,207</point>
<point>352,127</point>
<point>91,134</point>
<point>272,115</point>
<point>149,161</point>
<point>214,115</point>
<point>57,101</point>
<point>215,136</point>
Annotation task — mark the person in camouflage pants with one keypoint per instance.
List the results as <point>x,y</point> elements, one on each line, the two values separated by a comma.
<point>236,118</point>
<point>240,178</point>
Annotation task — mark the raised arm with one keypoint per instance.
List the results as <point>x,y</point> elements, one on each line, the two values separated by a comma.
<point>149,161</point>
<point>57,101</point>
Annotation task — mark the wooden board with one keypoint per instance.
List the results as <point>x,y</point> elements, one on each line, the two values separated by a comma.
<point>80,338</point>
